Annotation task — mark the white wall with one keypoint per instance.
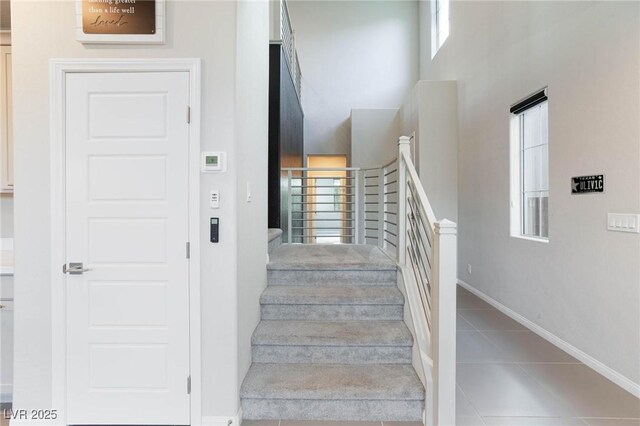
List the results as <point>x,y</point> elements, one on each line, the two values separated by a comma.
<point>584,285</point>
<point>252,129</point>
<point>430,113</point>
<point>205,30</point>
<point>374,136</point>
<point>353,54</point>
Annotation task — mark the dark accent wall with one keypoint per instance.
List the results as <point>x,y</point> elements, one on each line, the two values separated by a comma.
<point>285,134</point>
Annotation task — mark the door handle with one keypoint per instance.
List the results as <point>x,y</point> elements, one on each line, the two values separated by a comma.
<point>74,268</point>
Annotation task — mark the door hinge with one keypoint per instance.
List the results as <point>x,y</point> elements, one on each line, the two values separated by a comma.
<point>189,385</point>
<point>188,250</point>
<point>188,115</point>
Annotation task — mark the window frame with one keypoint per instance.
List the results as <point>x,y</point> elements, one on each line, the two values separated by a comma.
<point>517,175</point>
<point>436,24</point>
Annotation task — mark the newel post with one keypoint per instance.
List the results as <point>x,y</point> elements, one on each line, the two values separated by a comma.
<point>443,335</point>
<point>404,150</point>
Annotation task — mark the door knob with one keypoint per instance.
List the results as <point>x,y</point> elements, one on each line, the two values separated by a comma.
<point>74,268</point>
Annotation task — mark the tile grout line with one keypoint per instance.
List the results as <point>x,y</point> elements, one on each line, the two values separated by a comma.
<point>550,391</point>
<point>470,403</point>
<point>457,384</point>
<point>517,364</point>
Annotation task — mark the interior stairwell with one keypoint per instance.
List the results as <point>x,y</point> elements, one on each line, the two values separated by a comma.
<point>332,343</point>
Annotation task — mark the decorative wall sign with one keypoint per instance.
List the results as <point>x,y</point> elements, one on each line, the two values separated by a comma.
<point>587,184</point>
<point>120,21</point>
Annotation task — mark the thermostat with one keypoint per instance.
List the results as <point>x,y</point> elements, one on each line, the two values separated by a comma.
<point>211,162</point>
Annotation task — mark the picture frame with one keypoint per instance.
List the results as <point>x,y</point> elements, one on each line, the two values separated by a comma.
<point>156,37</point>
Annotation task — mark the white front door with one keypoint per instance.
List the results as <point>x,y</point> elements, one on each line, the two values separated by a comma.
<point>127,332</point>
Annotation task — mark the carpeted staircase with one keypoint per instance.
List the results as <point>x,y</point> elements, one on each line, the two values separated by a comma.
<point>332,343</point>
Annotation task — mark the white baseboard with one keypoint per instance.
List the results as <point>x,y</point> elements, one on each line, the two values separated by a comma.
<point>617,378</point>
<point>222,420</point>
<point>6,392</point>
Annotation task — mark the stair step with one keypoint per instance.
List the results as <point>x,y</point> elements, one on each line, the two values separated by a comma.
<point>330,257</point>
<point>332,278</point>
<point>332,333</point>
<point>326,265</point>
<point>332,342</point>
<point>332,303</point>
<point>332,392</point>
<point>346,295</point>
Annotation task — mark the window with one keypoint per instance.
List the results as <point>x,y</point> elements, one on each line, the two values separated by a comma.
<point>530,167</point>
<point>439,24</point>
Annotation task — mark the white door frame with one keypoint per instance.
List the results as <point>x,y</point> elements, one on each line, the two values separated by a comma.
<point>59,69</point>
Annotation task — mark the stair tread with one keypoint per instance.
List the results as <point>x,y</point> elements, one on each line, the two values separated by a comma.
<point>331,295</point>
<point>332,382</point>
<point>332,333</point>
<point>330,257</point>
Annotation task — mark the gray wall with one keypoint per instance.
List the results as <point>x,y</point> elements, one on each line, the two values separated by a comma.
<point>252,127</point>
<point>584,285</point>
<point>353,54</point>
<point>374,136</point>
<point>430,114</point>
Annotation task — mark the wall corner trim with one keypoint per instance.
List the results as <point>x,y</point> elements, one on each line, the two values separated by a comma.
<point>600,368</point>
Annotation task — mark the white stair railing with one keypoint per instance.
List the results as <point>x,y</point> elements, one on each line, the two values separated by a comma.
<point>388,206</point>
<point>427,256</point>
<point>282,32</point>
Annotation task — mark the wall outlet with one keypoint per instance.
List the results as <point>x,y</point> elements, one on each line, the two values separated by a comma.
<point>623,222</point>
<point>469,268</point>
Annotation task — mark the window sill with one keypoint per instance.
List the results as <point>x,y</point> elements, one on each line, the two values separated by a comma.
<point>536,239</point>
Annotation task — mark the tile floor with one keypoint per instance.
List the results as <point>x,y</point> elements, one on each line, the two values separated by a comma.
<point>508,376</point>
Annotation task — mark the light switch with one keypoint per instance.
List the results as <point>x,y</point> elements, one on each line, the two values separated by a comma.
<point>214,199</point>
<point>623,222</point>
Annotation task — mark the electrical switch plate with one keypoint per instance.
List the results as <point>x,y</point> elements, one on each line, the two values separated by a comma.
<point>214,199</point>
<point>623,222</point>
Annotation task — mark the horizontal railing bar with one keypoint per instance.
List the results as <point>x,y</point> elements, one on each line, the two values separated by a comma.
<point>389,232</point>
<point>326,220</point>
<point>322,169</point>
<point>422,232</point>
<point>322,202</point>
<point>391,172</point>
<point>418,211</point>
<point>390,192</point>
<point>323,186</point>
<point>390,242</point>
<point>390,183</point>
<point>418,244</point>
<point>389,163</point>
<point>422,196</point>
<point>323,195</point>
<point>328,236</point>
<point>390,212</point>
<point>328,227</point>
<point>391,223</point>
<point>322,177</point>
<point>370,229</point>
<point>369,211</point>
